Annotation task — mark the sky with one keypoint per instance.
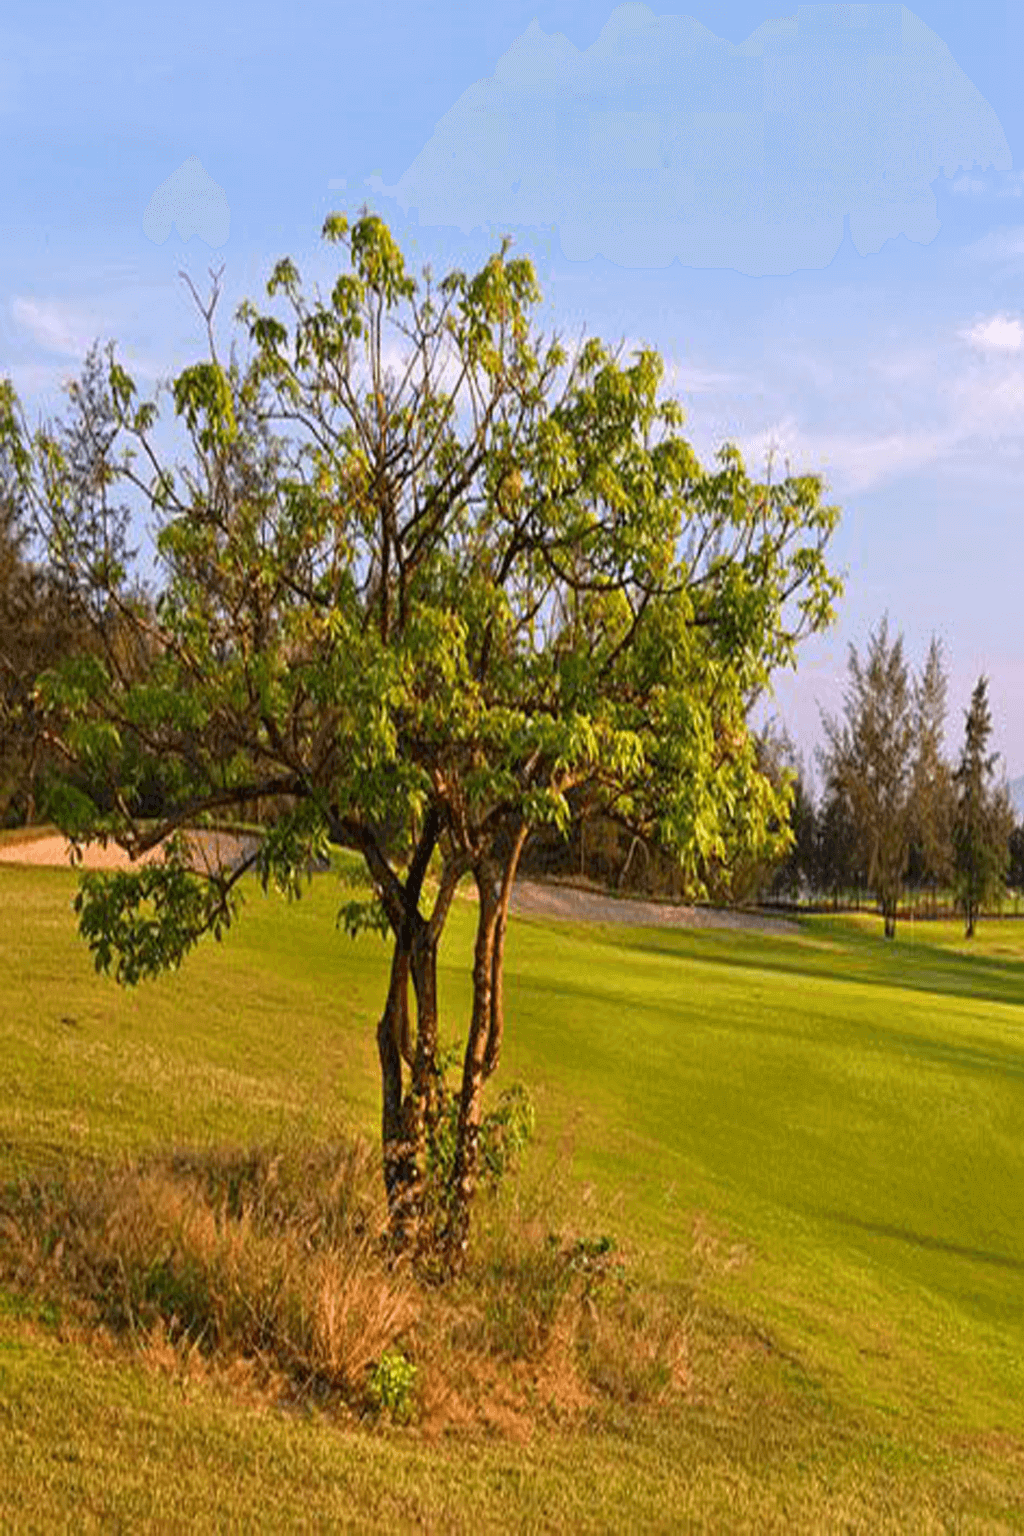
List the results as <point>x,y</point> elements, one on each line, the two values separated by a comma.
<point>812,213</point>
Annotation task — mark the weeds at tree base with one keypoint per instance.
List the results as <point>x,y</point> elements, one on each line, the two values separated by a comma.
<point>265,1271</point>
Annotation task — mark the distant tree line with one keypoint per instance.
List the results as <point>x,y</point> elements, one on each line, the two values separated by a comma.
<point>895,821</point>
<point>49,613</point>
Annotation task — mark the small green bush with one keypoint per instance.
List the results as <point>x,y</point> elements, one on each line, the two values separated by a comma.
<point>390,1386</point>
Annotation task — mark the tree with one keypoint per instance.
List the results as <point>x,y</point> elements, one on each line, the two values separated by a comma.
<point>426,636</point>
<point>786,874</point>
<point>836,865</point>
<point>867,764</point>
<point>933,796</point>
<point>984,819</point>
<point>37,625</point>
<point>1015,872</point>
<point>798,870</point>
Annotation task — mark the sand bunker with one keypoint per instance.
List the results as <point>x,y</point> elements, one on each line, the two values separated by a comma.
<point>210,851</point>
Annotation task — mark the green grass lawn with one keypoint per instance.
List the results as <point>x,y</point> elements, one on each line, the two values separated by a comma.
<point>828,1128</point>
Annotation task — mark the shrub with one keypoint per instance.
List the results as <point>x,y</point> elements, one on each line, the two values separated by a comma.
<point>273,1263</point>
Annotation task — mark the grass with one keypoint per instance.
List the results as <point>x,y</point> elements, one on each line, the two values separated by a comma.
<point>816,1139</point>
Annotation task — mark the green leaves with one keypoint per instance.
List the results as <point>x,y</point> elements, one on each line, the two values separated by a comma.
<point>363,917</point>
<point>204,391</point>
<point>142,923</point>
<point>291,847</point>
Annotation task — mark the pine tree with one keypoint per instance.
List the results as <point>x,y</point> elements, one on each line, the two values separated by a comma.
<point>933,794</point>
<point>868,764</point>
<point>984,820</point>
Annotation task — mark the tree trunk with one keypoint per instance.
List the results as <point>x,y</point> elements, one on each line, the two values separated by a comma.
<point>30,784</point>
<point>483,1048</point>
<point>390,1032</point>
<point>423,1104</point>
<point>629,859</point>
<point>473,1073</point>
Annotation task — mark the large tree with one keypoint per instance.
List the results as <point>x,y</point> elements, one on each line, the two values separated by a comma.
<point>867,762</point>
<point>428,608</point>
<point>984,819</point>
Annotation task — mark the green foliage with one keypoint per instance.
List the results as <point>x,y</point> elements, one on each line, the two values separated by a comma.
<point>571,602</point>
<point>143,923</point>
<point>297,840</point>
<point>869,763</point>
<point>984,820</point>
<point>505,1132</point>
<point>391,1384</point>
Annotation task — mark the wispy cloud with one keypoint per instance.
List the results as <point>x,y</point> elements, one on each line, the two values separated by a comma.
<point>1005,184</point>
<point>990,405</point>
<point>850,462</point>
<point>56,326</point>
<point>685,377</point>
<point>999,245</point>
<point>38,381</point>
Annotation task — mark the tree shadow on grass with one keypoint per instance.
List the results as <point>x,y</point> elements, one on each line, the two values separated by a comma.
<point>924,968</point>
<point>919,1239</point>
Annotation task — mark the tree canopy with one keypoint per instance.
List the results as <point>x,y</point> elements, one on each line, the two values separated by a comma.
<point>422,602</point>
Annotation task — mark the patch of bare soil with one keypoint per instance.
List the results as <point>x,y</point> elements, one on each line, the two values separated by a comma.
<point>210,851</point>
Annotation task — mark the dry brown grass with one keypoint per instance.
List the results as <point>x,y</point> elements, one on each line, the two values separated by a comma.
<point>266,1271</point>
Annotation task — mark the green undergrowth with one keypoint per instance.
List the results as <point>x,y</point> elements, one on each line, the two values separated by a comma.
<point>763,1265</point>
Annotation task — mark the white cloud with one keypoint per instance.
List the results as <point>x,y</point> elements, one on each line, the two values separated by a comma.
<point>191,200</point>
<point>1000,333</point>
<point>56,326</point>
<point>663,141</point>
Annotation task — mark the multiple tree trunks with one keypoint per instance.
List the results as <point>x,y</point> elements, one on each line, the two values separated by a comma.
<point>411,1115</point>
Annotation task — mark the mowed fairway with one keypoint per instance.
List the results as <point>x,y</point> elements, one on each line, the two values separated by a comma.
<point>828,1131</point>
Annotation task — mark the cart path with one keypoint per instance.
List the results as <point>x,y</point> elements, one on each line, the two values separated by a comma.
<point>571,904</point>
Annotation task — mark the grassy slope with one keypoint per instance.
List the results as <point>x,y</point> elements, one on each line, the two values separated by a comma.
<point>842,1117</point>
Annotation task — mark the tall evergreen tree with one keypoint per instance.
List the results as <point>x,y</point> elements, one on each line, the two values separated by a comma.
<point>984,819</point>
<point>867,763</point>
<point>1015,872</point>
<point>933,796</point>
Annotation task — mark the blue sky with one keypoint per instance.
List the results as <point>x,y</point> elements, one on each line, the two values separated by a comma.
<point>813,215</point>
